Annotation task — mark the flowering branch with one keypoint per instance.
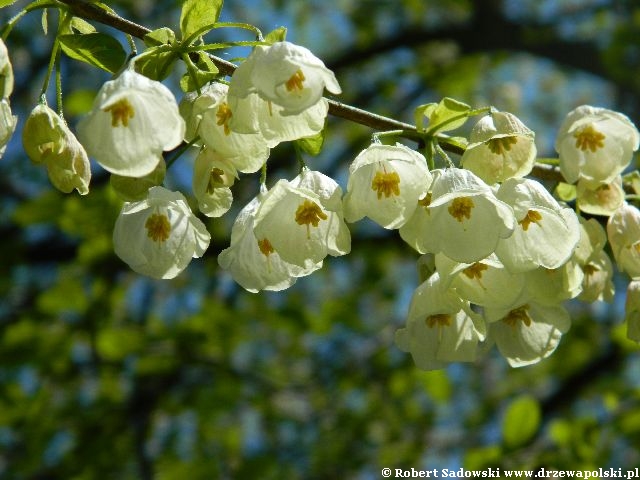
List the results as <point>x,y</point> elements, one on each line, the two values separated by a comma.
<point>91,11</point>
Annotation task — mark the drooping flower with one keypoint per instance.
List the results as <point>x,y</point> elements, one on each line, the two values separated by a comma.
<point>253,114</point>
<point>209,115</point>
<point>546,233</point>
<point>596,266</point>
<point>47,139</point>
<point>385,184</point>
<point>632,311</point>
<point>6,72</point>
<point>8,123</point>
<point>553,286</point>
<point>603,199</point>
<point>466,220</point>
<point>303,219</point>
<point>595,145</point>
<point>527,333</point>
<point>253,262</point>
<point>623,231</point>
<point>285,74</point>
<point>440,328</point>
<point>486,283</point>
<point>133,120</point>
<point>158,236</point>
<point>213,175</point>
<point>500,147</point>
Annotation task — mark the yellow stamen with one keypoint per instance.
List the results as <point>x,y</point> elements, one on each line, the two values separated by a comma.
<point>121,112</point>
<point>588,138</point>
<point>265,247</point>
<point>474,272</point>
<point>309,214</point>
<point>386,183</point>
<point>531,217</point>
<point>460,208</point>
<point>215,179</point>
<point>499,146</point>
<point>295,83</point>
<point>158,227</point>
<point>426,201</point>
<point>440,319</point>
<point>223,115</point>
<point>516,314</point>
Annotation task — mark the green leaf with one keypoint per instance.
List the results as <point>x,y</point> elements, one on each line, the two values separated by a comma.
<point>198,17</point>
<point>45,20</point>
<point>521,421</point>
<point>79,25</point>
<point>277,35</point>
<point>66,295</point>
<point>97,49</point>
<point>6,3</point>
<point>161,36</point>
<point>116,343</point>
<point>566,192</point>
<point>311,145</point>
<point>156,63</point>
<point>437,384</point>
<point>199,74</point>
<point>560,432</point>
<point>447,115</point>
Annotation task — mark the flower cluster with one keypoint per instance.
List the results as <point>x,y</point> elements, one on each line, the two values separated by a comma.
<point>276,95</point>
<point>499,253</point>
<point>488,246</point>
<point>503,255</point>
<point>7,119</point>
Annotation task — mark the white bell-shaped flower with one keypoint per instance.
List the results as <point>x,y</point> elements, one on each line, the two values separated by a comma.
<point>546,233</point>
<point>500,147</point>
<point>253,262</point>
<point>286,74</point>
<point>210,117</point>
<point>6,72</point>
<point>418,230</point>
<point>553,286</point>
<point>632,311</point>
<point>595,145</point>
<point>213,175</point>
<point>597,283</point>
<point>593,238</point>
<point>8,123</point>
<point>466,219</point>
<point>440,328</point>
<point>252,114</point>
<point>132,121</point>
<point>486,282</point>
<point>303,219</point>
<point>603,199</point>
<point>160,235</point>
<point>528,333</point>
<point>597,269</point>
<point>47,139</point>
<point>623,231</point>
<point>385,184</point>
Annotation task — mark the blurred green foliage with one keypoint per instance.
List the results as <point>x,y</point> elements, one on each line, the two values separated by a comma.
<point>106,375</point>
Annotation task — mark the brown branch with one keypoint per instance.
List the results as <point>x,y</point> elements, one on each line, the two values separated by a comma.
<point>90,11</point>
